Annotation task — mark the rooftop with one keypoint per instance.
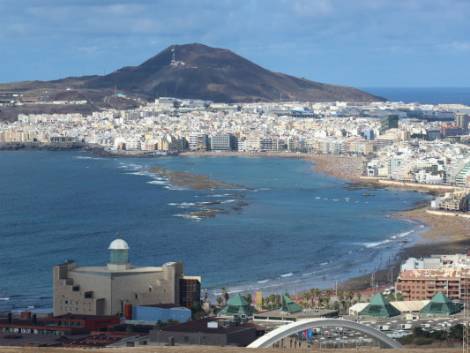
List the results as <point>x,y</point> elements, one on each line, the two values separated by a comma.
<point>307,313</point>
<point>201,326</point>
<point>118,244</point>
<point>106,270</point>
<point>434,273</point>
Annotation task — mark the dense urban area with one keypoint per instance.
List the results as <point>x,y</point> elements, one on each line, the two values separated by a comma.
<point>402,143</point>
<point>94,306</point>
<point>399,144</point>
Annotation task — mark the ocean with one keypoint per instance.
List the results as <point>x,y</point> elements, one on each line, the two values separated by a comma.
<point>279,227</point>
<point>425,95</point>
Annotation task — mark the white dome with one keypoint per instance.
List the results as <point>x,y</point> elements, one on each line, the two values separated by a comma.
<point>118,244</point>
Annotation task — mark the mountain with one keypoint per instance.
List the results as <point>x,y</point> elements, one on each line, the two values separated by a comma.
<point>193,71</point>
<point>202,72</point>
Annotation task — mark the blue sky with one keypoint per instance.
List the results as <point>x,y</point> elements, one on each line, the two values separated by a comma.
<point>354,42</point>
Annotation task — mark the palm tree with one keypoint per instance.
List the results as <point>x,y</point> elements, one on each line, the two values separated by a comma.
<point>225,295</point>
<point>306,296</point>
<point>317,294</point>
<point>249,298</point>
<point>219,300</point>
<point>343,305</point>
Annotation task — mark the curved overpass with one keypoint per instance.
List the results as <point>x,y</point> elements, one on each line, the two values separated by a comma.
<point>287,330</point>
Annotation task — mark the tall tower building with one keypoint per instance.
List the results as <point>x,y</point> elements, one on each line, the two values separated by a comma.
<point>462,121</point>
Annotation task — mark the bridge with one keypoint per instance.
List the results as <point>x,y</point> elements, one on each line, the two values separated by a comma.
<point>284,331</point>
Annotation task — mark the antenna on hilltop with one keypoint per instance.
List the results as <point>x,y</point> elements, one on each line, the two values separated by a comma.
<point>173,56</point>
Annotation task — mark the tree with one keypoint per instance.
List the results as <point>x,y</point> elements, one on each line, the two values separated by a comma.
<point>456,332</point>
<point>219,300</point>
<point>196,311</point>
<point>271,299</point>
<point>344,306</point>
<point>306,296</point>
<point>249,298</point>
<point>225,295</point>
<point>277,300</point>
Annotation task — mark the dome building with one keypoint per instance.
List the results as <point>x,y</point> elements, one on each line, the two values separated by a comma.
<point>106,290</point>
<point>118,255</point>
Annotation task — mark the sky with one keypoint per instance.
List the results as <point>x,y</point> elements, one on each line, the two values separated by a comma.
<point>363,43</point>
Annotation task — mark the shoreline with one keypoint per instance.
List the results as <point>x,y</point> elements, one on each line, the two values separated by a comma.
<point>349,169</point>
<point>442,228</point>
<point>442,233</point>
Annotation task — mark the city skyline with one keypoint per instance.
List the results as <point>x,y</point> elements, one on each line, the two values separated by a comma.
<point>291,175</point>
<point>365,44</point>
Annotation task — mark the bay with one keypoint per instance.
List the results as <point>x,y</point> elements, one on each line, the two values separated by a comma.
<point>281,227</point>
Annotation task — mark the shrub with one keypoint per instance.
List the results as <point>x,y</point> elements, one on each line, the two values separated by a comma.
<point>421,341</point>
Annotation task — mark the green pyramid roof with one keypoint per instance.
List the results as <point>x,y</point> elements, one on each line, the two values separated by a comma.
<point>289,306</point>
<point>440,305</point>
<point>237,300</point>
<point>379,307</point>
<point>237,305</point>
<point>440,298</point>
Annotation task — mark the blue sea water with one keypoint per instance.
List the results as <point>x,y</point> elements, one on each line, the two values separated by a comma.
<point>425,95</point>
<point>295,229</point>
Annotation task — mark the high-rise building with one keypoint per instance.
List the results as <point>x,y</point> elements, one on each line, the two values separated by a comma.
<point>198,142</point>
<point>105,290</point>
<point>223,142</point>
<point>390,122</point>
<point>462,121</point>
<point>190,291</point>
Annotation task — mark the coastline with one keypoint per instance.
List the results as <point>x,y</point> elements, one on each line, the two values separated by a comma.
<point>433,238</point>
<point>441,233</point>
<point>441,228</point>
<point>348,168</point>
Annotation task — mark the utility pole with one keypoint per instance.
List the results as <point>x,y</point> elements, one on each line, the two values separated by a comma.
<point>465,321</point>
<point>372,281</point>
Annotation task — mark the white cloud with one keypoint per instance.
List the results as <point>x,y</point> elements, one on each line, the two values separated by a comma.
<point>459,45</point>
<point>312,8</point>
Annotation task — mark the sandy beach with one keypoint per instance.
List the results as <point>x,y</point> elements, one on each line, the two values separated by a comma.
<point>440,228</point>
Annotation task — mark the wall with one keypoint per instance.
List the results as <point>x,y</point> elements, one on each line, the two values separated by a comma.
<point>148,313</point>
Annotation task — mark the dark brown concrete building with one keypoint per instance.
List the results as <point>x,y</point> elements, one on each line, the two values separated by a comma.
<point>210,332</point>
